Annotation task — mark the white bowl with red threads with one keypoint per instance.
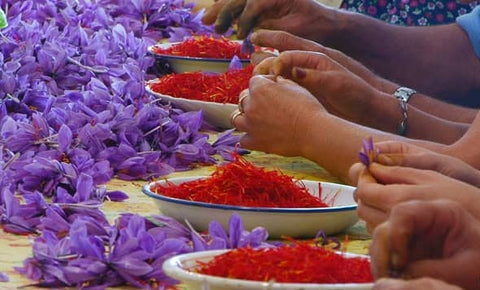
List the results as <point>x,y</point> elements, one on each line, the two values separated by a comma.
<point>291,222</point>
<point>182,268</point>
<point>182,64</point>
<point>215,114</point>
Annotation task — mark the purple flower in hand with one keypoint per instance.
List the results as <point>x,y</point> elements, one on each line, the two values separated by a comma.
<point>369,153</point>
<point>247,45</point>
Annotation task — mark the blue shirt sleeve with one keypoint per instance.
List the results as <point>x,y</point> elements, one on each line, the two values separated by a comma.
<point>471,24</point>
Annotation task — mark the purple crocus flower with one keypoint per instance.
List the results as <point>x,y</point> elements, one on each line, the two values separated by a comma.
<point>235,63</point>
<point>237,236</point>
<point>369,153</point>
<point>4,277</point>
<point>227,143</point>
<point>247,45</point>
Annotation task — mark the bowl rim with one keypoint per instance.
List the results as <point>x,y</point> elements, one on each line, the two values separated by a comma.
<point>146,190</point>
<point>174,264</point>
<point>189,58</point>
<point>175,99</point>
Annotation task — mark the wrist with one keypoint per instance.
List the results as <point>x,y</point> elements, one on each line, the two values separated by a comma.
<point>384,113</point>
<point>327,24</point>
<point>311,128</point>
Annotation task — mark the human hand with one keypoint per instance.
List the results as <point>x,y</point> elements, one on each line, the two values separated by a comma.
<point>284,41</point>
<point>294,16</point>
<point>278,114</point>
<point>422,283</point>
<point>380,188</point>
<point>437,239</point>
<point>341,92</point>
<point>408,155</point>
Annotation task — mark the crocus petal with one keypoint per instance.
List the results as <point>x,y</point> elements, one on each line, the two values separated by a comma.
<point>235,229</point>
<point>4,277</point>
<point>117,195</point>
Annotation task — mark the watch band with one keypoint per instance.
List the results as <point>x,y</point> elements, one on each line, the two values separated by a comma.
<point>403,94</point>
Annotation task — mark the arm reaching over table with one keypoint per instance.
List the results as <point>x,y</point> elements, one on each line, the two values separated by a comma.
<point>279,116</point>
<point>283,41</point>
<point>444,53</point>
<point>352,97</point>
<point>437,239</point>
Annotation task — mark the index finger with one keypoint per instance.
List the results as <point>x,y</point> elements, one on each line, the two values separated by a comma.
<point>211,12</point>
<point>287,60</point>
<point>283,41</point>
<point>248,18</point>
<point>228,14</point>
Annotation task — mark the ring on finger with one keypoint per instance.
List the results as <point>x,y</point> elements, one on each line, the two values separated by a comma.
<point>243,95</point>
<point>234,115</point>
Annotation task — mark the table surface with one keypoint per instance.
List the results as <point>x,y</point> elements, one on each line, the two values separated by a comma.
<point>14,249</point>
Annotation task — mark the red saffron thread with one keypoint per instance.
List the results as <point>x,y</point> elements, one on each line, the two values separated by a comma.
<point>300,262</point>
<point>204,46</point>
<point>241,183</point>
<point>219,88</point>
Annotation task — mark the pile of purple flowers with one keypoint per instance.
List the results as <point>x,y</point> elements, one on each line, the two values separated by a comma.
<point>73,114</point>
<point>89,252</point>
<point>73,108</point>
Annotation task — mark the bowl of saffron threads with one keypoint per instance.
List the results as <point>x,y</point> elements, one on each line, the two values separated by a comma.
<point>216,94</point>
<point>293,266</point>
<point>202,53</point>
<point>263,198</point>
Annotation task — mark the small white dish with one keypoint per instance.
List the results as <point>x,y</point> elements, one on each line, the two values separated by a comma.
<point>182,268</point>
<point>181,64</point>
<point>216,114</point>
<point>292,222</point>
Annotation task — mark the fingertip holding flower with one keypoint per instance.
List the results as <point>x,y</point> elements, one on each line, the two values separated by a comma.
<point>369,153</point>
<point>247,45</point>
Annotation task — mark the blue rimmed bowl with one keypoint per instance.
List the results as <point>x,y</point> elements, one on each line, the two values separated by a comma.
<point>292,222</point>
<point>182,64</point>
<point>182,268</point>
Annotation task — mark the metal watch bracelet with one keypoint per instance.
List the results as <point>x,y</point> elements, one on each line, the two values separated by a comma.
<point>403,94</point>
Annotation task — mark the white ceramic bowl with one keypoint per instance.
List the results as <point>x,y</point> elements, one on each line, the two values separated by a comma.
<point>292,222</point>
<point>182,267</point>
<point>181,64</point>
<point>216,114</point>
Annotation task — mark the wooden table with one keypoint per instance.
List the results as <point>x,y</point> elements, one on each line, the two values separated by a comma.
<point>14,249</point>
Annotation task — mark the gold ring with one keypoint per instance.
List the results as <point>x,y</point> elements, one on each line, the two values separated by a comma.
<point>243,95</point>
<point>234,115</point>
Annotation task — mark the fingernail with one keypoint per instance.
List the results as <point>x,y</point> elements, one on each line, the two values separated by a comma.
<point>385,160</point>
<point>299,73</point>
<point>355,195</point>
<point>253,37</point>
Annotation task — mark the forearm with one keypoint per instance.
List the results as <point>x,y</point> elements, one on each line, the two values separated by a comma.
<point>466,148</point>
<point>334,143</point>
<point>385,114</point>
<point>427,104</point>
<point>437,60</point>
<point>442,109</point>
